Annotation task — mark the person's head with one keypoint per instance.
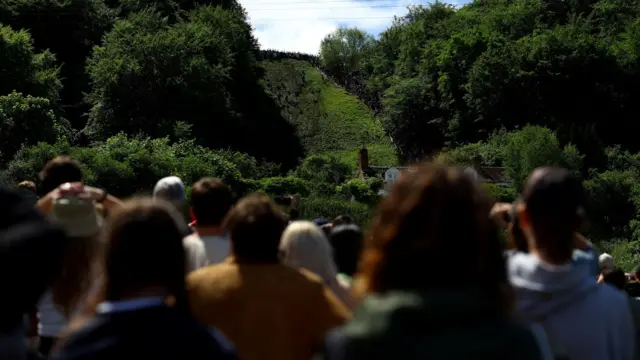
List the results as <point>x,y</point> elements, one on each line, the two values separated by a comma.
<point>255,226</point>
<point>616,278</point>
<point>58,171</point>
<point>607,263</point>
<point>551,211</point>
<point>211,200</point>
<point>144,252</point>
<point>431,211</point>
<point>170,189</point>
<point>28,186</point>
<point>342,220</point>
<point>81,223</point>
<point>304,245</point>
<point>346,241</point>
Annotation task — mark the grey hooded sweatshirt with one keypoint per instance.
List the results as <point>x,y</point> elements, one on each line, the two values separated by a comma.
<point>583,320</point>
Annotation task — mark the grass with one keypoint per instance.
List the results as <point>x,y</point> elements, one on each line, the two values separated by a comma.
<point>327,119</point>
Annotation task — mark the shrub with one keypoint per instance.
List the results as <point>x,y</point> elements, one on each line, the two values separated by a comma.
<point>499,193</point>
<point>249,166</point>
<point>329,208</point>
<point>126,166</point>
<point>327,169</point>
<point>359,190</point>
<point>29,160</point>
<point>281,186</point>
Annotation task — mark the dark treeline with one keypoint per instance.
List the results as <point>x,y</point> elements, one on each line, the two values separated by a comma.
<point>87,70</point>
<point>282,55</point>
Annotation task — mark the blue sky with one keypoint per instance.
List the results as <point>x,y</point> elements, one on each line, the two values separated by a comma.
<point>300,25</point>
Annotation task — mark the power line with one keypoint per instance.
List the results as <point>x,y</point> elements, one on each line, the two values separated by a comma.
<point>312,19</point>
<point>336,8</point>
<point>243,3</point>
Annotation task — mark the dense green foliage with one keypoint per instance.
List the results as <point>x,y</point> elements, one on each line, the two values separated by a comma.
<point>152,88</point>
<point>327,119</point>
<point>68,29</point>
<point>445,76</point>
<point>177,87</point>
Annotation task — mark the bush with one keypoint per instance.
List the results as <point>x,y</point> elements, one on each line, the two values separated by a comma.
<point>329,208</point>
<point>249,166</point>
<point>282,186</point>
<point>29,160</point>
<point>499,193</point>
<point>126,166</point>
<point>359,190</point>
<point>326,169</point>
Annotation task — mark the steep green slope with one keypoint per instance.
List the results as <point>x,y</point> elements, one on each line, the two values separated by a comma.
<point>328,120</point>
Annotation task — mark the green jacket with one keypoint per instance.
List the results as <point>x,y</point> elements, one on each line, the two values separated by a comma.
<point>438,325</point>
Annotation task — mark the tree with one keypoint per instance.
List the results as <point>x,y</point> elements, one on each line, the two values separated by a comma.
<point>69,29</point>
<point>23,70</point>
<point>150,74</point>
<point>533,147</point>
<point>29,87</point>
<point>342,52</point>
<point>26,120</point>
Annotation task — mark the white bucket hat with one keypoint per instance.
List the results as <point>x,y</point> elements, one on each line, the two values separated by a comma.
<point>77,217</point>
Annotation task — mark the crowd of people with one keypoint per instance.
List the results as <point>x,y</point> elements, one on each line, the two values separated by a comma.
<point>90,276</point>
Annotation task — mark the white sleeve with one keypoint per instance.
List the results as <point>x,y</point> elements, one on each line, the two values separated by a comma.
<point>196,256</point>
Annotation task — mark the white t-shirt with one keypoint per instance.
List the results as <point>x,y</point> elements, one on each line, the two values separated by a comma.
<point>217,248</point>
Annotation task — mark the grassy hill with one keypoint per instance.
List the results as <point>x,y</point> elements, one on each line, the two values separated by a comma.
<point>328,120</point>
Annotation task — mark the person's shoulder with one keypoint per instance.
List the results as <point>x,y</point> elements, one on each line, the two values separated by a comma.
<point>209,274</point>
<point>611,298</point>
<point>305,276</point>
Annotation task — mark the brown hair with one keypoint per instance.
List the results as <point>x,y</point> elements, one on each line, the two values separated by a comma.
<point>435,221</point>
<point>255,226</point>
<point>211,200</point>
<point>60,170</point>
<point>77,273</point>
<point>28,185</point>
<point>143,248</point>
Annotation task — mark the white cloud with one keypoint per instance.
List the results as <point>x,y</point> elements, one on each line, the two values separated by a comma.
<point>300,25</point>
